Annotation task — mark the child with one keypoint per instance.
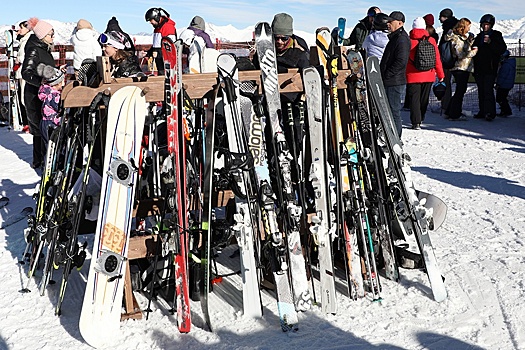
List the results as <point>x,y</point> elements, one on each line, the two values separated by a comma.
<point>505,82</point>
<point>85,43</point>
<point>49,93</point>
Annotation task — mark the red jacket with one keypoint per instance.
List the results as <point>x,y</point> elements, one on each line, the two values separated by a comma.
<point>166,28</point>
<point>417,76</point>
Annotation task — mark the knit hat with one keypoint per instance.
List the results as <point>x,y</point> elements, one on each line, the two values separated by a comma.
<point>282,24</point>
<point>114,26</point>
<point>447,13</point>
<point>51,75</point>
<point>116,39</point>
<point>198,22</point>
<point>41,29</point>
<point>419,23</point>
<point>397,16</point>
<point>429,19</point>
<point>83,24</point>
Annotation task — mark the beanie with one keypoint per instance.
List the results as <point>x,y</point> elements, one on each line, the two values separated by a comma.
<point>447,13</point>
<point>51,75</point>
<point>282,24</point>
<point>83,24</point>
<point>42,29</point>
<point>198,22</point>
<point>429,19</point>
<point>419,23</point>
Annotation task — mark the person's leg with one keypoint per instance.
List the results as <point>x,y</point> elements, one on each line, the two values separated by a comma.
<point>481,93</point>
<point>33,118</point>
<point>425,95</point>
<point>504,101</point>
<point>393,93</point>
<point>489,98</point>
<point>414,93</point>
<point>448,92</point>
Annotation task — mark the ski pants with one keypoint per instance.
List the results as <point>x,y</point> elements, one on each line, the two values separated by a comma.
<point>486,98</point>
<point>418,94</point>
<point>502,99</point>
<point>34,116</point>
<point>456,103</point>
<point>393,93</point>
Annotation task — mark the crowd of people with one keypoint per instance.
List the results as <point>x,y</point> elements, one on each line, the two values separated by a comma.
<point>484,55</point>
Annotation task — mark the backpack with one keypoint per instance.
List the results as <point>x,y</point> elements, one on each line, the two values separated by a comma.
<point>447,57</point>
<point>425,57</point>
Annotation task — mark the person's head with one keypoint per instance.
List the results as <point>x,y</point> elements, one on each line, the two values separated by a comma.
<point>372,12</point>
<point>462,27</point>
<point>282,29</point>
<point>419,23</point>
<point>429,19</point>
<point>51,76</point>
<point>84,24</point>
<point>114,44</point>
<point>381,22</point>
<point>22,30</point>
<point>154,16</point>
<point>486,22</point>
<point>198,22</point>
<point>43,30</point>
<point>396,20</point>
<point>445,14</point>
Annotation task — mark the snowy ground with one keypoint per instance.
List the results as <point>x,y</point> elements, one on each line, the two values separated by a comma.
<point>475,166</point>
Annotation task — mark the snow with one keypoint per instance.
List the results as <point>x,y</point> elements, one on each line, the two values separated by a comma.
<point>476,167</point>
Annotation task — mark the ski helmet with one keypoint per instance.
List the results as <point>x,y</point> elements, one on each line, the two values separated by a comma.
<point>153,13</point>
<point>487,18</point>
<point>439,90</point>
<point>380,21</point>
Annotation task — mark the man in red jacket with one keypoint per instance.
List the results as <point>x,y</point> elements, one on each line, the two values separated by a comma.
<point>419,82</point>
<point>164,26</point>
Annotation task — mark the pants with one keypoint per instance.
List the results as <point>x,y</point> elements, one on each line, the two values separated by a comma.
<point>486,98</point>
<point>418,94</point>
<point>448,91</point>
<point>393,93</point>
<point>502,99</point>
<point>34,116</point>
<point>46,128</point>
<point>456,103</point>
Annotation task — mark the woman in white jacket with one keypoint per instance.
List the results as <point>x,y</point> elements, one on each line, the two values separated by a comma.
<point>85,43</point>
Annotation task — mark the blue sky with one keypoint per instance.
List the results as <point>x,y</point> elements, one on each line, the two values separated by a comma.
<point>308,14</point>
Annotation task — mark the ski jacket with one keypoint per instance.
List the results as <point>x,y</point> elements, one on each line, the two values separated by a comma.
<point>395,58</point>
<point>85,45</point>
<point>462,50</point>
<point>447,25</point>
<point>359,33</point>
<point>375,43</point>
<point>21,53</point>
<point>126,68</point>
<point>487,59</point>
<point>201,33</point>
<point>506,73</point>
<point>165,28</point>
<point>413,74</point>
<point>50,103</point>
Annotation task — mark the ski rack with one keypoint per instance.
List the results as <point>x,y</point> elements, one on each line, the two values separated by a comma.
<point>196,85</point>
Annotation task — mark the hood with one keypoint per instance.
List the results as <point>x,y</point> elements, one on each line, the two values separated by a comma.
<point>417,34</point>
<point>84,34</point>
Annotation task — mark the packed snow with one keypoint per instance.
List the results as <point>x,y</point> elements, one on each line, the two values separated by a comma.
<point>475,166</point>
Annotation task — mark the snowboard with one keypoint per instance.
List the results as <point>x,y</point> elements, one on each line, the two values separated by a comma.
<point>101,310</point>
<point>13,219</point>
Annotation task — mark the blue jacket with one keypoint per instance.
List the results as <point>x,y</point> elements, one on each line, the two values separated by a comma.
<point>375,43</point>
<point>506,73</point>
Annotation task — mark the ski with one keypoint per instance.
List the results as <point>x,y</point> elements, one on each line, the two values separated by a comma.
<point>13,219</point>
<point>12,91</point>
<point>415,219</point>
<point>101,309</point>
<point>341,27</point>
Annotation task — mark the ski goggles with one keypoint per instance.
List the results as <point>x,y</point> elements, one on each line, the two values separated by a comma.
<point>283,38</point>
<point>106,39</point>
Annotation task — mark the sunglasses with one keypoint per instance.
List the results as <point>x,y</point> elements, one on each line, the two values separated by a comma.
<point>52,34</point>
<point>282,38</point>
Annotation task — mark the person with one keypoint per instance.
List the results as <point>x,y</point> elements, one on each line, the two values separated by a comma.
<point>375,42</point>
<point>505,82</point>
<point>289,48</point>
<point>362,29</point>
<point>123,61</point>
<point>114,26</point>
<point>420,82</point>
<point>37,51</point>
<point>49,93</point>
<point>22,35</point>
<point>448,21</point>
<point>429,21</point>
<point>85,43</point>
<point>462,40</point>
<point>490,46</point>
<point>163,26</point>
<point>393,65</point>
<point>198,26</point>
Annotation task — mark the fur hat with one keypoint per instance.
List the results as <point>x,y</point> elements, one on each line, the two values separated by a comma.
<point>282,24</point>
<point>51,75</point>
<point>41,29</point>
<point>198,22</point>
<point>83,24</point>
<point>429,19</point>
<point>419,23</point>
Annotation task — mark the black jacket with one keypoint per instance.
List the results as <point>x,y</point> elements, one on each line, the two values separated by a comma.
<point>488,57</point>
<point>395,58</point>
<point>128,67</point>
<point>447,25</point>
<point>359,34</point>
<point>36,52</point>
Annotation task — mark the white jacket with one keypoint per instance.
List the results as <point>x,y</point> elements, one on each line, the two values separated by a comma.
<point>85,45</point>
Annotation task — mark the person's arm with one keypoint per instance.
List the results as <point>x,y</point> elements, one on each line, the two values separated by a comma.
<point>29,72</point>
